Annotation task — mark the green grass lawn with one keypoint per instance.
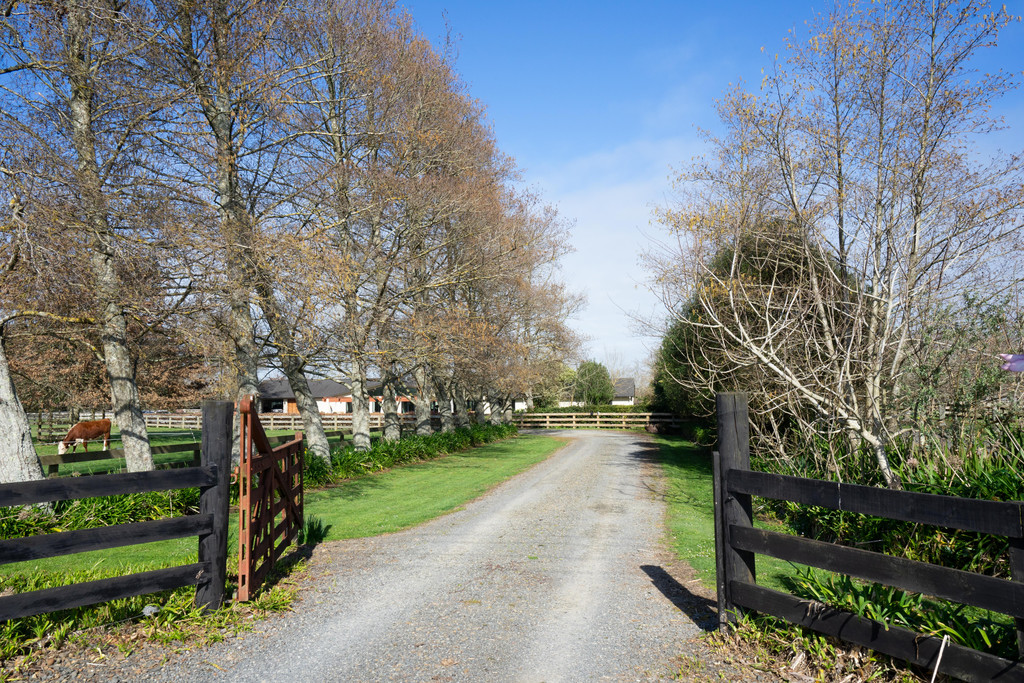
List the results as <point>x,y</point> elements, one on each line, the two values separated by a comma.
<point>364,506</point>
<point>691,505</point>
<point>410,495</point>
<point>162,436</point>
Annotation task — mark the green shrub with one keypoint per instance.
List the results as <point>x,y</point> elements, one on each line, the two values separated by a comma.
<point>318,472</point>
<point>90,513</point>
<point>347,462</point>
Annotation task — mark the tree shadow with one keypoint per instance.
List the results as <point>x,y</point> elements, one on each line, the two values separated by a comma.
<point>647,451</point>
<point>348,489</point>
<point>702,611</point>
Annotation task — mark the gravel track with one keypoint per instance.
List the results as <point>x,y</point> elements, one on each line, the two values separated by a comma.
<point>558,574</point>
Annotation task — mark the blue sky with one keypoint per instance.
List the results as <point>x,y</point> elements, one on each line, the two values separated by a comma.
<point>597,102</point>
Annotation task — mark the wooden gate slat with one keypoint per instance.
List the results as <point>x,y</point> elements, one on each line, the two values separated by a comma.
<point>271,481</point>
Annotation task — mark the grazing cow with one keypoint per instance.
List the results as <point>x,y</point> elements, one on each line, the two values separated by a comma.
<point>83,433</point>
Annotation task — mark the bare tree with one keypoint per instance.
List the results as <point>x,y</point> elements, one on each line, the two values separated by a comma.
<point>841,214</point>
<point>78,105</point>
<point>224,59</point>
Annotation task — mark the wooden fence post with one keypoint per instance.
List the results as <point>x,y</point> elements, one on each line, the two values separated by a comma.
<point>731,509</point>
<point>1017,574</point>
<point>213,547</point>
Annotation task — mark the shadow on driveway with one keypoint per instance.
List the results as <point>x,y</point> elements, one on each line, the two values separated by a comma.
<point>702,611</point>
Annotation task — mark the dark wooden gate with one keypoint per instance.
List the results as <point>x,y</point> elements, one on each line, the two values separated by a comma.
<point>269,499</point>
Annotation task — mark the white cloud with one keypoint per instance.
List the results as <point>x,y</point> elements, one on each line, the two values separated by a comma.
<point>611,194</point>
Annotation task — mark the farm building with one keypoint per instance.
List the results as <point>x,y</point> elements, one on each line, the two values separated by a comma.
<point>625,392</point>
<point>276,396</point>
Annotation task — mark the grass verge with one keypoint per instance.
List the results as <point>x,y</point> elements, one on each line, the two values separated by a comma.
<point>691,513</point>
<point>405,496</point>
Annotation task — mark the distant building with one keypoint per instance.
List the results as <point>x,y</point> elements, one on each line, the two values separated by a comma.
<point>625,392</point>
<point>276,396</point>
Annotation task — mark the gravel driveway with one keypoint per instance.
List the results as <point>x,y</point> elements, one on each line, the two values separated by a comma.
<point>559,574</point>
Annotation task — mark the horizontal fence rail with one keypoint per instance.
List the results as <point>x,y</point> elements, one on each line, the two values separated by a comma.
<point>595,420</point>
<point>737,544</point>
<point>209,526</point>
<point>51,463</point>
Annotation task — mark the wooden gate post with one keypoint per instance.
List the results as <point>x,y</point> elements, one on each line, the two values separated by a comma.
<point>1017,574</point>
<point>213,548</point>
<point>731,509</point>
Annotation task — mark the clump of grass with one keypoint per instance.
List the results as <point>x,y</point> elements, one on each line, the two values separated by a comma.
<point>776,645</point>
<point>166,618</point>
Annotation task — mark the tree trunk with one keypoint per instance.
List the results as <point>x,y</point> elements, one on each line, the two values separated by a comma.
<point>294,370</point>
<point>529,399</point>
<point>312,423</point>
<point>422,402</point>
<point>444,404</point>
<point>496,407</point>
<point>891,479</point>
<point>481,410</point>
<point>214,89</point>
<point>124,392</point>
<point>18,460</point>
<point>461,409</point>
<point>360,409</point>
<point>392,420</point>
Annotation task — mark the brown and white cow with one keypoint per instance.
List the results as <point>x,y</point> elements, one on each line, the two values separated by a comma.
<point>83,433</point>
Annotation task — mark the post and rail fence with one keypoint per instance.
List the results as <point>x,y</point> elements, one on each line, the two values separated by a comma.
<point>343,421</point>
<point>55,431</point>
<point>596,420</point>
<point>293,421</point>
<point>737,543</point>
<point>51,463</point>
<point>210,526</point>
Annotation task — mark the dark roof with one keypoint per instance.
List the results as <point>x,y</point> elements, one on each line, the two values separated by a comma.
<point>278,387</point>
<point>625,387</point>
